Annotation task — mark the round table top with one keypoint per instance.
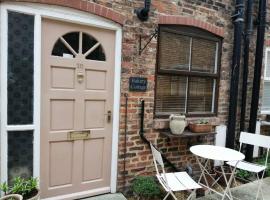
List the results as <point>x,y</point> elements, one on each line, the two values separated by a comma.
<point>217,153</point>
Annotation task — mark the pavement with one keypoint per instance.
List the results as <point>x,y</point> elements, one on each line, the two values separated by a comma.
<point>246,192</point>
<point>117,196</point>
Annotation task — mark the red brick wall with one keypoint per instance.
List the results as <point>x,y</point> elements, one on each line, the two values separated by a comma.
<point>212,15</point>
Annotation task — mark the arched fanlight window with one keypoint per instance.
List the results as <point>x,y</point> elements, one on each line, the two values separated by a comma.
<point>70,45</point>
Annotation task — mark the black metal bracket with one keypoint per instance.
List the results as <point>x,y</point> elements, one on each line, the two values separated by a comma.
<point>237,17</point>
<point>153,35</point>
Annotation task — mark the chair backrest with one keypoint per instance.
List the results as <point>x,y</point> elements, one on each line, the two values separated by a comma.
<point>157,158</point>
<point>255,139</point>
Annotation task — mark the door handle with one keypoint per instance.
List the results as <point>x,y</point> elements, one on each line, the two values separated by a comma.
<point>109,116</point>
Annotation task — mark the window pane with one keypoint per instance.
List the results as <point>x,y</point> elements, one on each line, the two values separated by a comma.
<point>20,154</point>
<point>266,97</point>
<point>88,43</point>
<point>174,51</point>
<point>61,50</point>
<point>200,95</point>
<point>203,55</point>
<point>20,68</point>
<point>170,94</point>
<point>267,67</point>
<point>73,39</point>
<point>97,54</point>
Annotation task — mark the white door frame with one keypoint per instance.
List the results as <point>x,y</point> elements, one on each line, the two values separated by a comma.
<point>63,14</point>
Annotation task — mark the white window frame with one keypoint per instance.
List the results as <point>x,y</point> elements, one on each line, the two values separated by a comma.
<point>40,11</point>
<point>265,78</point>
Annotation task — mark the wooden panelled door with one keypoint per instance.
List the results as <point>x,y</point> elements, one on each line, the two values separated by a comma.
<point>76,109</point>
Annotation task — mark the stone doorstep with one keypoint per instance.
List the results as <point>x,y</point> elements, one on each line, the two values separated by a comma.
<point>117,196</point>
<point>246,192</point>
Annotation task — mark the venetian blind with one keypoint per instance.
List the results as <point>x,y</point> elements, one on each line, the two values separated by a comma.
<point>170,94</point>
<point>200,95</point>
<point>267,66</point>
<point>266,87</point>
<point>184,62</point>
<point>266,97</point>
<point>174,51</point>
<point>203,55</point>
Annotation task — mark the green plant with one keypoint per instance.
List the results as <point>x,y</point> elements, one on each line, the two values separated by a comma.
<point>261,161</point>
<point>24,187</point>
<point>243,174</point>
<point>145,187</point>
<point>203,121</point>
<point>4,187</point>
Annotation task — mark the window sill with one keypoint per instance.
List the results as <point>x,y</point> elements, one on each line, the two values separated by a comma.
<point>185,134</point>
<point>164,123</point>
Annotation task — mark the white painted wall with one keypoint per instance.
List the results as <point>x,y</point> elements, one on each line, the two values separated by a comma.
<point>220,139</point>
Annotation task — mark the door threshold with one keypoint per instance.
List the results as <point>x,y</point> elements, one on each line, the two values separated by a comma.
<point>80,195</point>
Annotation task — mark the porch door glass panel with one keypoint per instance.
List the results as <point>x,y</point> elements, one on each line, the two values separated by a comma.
<point>20,154</point>
<point>20,89</point>
<point>20,68</point>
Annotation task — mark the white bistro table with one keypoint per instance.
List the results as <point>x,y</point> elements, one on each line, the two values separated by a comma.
<point>211,152</point>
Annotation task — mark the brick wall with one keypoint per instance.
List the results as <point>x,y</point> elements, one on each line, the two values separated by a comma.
<point>212,15</point>
<point>215,13</point>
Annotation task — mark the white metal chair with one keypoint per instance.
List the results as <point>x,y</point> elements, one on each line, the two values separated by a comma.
<point>255,140</point>
<point>173,182</point>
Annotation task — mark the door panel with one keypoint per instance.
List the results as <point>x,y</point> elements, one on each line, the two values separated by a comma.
<point>94,113</point>
<point>77,95</point>
<point>95,80</point>
<point>61,169</point>
<point>62,78</point>
<point>92,166</point>
<point>62,114</point>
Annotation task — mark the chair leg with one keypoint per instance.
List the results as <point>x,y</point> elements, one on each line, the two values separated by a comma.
<point>260,185</point>
<point>166,196</point>
<point>173,195</point>
<point>192,195</point>
<point>234,181</point>
<point>170,193</point>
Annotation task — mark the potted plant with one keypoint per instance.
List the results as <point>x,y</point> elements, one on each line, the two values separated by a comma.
<point>4,188</point>
<point>145,188</point>
<point>27,188</point>
<point>201,126</point>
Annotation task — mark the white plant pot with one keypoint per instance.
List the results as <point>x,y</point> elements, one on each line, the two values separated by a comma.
<point>178,124</point>
<point>12,196</point>
<point>36,197</point>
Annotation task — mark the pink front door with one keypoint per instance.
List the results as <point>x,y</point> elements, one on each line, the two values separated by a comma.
<point>77,106</point>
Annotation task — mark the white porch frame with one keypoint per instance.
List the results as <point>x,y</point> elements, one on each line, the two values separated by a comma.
<point>63,14</point>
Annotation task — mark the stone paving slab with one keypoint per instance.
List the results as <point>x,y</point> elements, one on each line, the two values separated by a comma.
<point>246,192</point>
<point>117,196</point>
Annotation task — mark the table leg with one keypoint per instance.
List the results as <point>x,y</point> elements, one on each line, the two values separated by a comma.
<point>227,191</point>
<point>203,170</point>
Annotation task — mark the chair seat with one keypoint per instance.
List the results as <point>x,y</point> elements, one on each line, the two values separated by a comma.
<point>251,167</point>
<point>178,181</point>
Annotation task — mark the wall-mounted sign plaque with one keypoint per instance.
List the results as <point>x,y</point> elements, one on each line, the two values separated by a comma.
<point>137,84</point>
